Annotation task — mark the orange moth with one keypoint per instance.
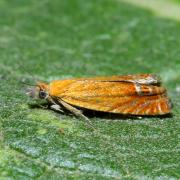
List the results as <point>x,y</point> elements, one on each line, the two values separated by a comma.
<point>140,94</point>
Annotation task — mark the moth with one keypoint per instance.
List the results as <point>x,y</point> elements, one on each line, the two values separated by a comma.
<point>138,95</point>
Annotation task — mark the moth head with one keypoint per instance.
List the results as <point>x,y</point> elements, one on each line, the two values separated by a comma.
<point>40,91</point>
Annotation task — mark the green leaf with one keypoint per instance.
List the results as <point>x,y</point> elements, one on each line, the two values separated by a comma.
<point>46,40</point>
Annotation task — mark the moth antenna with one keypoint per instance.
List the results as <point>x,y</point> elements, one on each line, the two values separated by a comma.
<point>28,73</point>
<point>29,84</point>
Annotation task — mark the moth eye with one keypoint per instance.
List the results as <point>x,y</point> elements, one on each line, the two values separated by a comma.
<point>42,94</point>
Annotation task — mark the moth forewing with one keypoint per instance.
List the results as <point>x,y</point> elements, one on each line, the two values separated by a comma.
<point>149,79</point>
<point>139,78</point>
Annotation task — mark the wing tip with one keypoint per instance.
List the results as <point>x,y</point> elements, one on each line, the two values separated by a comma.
<point>159,107</point>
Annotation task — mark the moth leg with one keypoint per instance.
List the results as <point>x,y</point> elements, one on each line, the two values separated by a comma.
<point>42,106</point>
<point>53,105</point>
<point>76,112</point>
<point>56,107</point>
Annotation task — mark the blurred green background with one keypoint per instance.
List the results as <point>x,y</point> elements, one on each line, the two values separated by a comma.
<point>46,40</point>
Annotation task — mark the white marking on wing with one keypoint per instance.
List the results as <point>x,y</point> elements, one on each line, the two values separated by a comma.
<point>138,89</point>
